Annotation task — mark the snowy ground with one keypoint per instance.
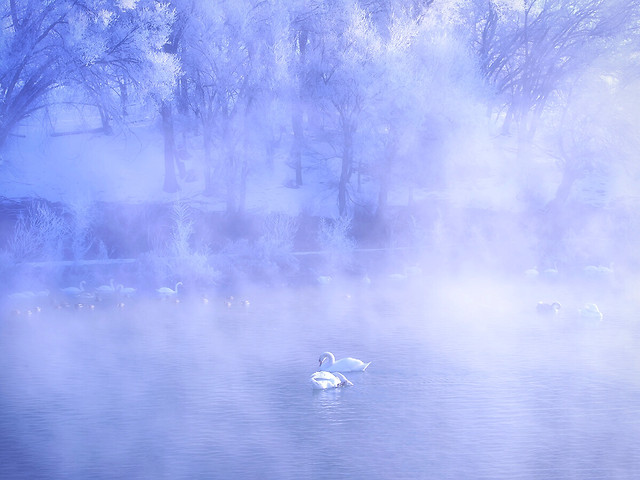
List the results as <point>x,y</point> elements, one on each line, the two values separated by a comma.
<point>128,167</point>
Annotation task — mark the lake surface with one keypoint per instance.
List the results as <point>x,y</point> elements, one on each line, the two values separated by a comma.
<point>465,382</point>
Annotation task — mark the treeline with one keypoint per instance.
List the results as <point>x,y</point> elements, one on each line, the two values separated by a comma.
<point>383,89</point>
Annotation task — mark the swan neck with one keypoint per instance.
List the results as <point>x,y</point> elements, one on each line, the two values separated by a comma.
<point>328,358</point>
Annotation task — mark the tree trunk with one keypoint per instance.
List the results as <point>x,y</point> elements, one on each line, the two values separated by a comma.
<point>345,174</point>
<point>297,116</point>
<point>232,201</point>
<point>106,123</point>
<point>124,97</point>
<point>170,180</point>
<point>383,193</point>
<point>208,162</point>
<point>569,176</point>
<point>183,97</point>
<point>296,148</point>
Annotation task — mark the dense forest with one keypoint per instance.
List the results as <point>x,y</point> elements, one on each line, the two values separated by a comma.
<point>500,125</point>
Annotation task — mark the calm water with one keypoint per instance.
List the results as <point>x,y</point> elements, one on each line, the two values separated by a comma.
<point>458,388</point>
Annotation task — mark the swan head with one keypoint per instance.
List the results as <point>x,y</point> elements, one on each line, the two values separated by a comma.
<point>344,382</point>
<point>327,356</point>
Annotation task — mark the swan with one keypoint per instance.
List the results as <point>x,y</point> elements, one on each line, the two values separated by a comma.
<point>591,310</point>
<point>74,290</point>
<point>167,292</point>
<point>324,279</point>
<point>598,270</point>
<point>328,363</point>
<point>323,380</point>
<point>413,271</point>
<point>548,308</point>
<point>107,289</point>
<point>397,277</point>
<point>21,295</point>
<point>126,291</point>
<point>531,272</point>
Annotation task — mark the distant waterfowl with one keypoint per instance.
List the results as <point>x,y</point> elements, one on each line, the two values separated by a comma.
<point>551,272</point>
<point>328,363</point>
<point>324,279</point>
<point>126,291</point>
<point>106,289</point>
<point>86,296</point>
<point>591,310</point>
<point>323,380</point>
<point>21,295</point>
<point>168,292</point>
<point>413,271</point>
<point>598,270</point>
<point>531,272</point>
<point>397,277</point>
<point>74,290</point>
<point>548,308</point>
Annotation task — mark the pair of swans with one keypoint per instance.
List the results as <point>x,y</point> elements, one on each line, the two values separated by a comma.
<point>330,374</point>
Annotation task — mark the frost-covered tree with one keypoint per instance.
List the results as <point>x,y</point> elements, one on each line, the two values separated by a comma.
<point>529,50</point>
<point>341,71</point>
<point>231,64</point>
<point>99,45</point>
<point>120,57</point>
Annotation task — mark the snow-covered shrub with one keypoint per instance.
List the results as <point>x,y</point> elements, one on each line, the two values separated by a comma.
<point>182,230</point>
<point>39,234</point>
<point>81,228</point>
<point>334,236</point>
<point>273,252</point>
<point>178,259</point>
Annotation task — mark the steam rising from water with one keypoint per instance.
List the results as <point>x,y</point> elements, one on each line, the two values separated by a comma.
<point>461,366</point>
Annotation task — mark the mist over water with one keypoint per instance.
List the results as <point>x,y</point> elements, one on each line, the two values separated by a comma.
<point>466,381</point>
<point>197,199</point>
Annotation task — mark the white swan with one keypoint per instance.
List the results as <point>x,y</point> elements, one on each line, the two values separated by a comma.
<point>167,292</point>
<point>126,291</point>
<point>21,295</point>
<point>598,270</point>
<point>548,308</point>
<point>74,290</point>
<point>591,310</point>
<point>323,380</point>
<point>107,289</point>
<point>328,363</point>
